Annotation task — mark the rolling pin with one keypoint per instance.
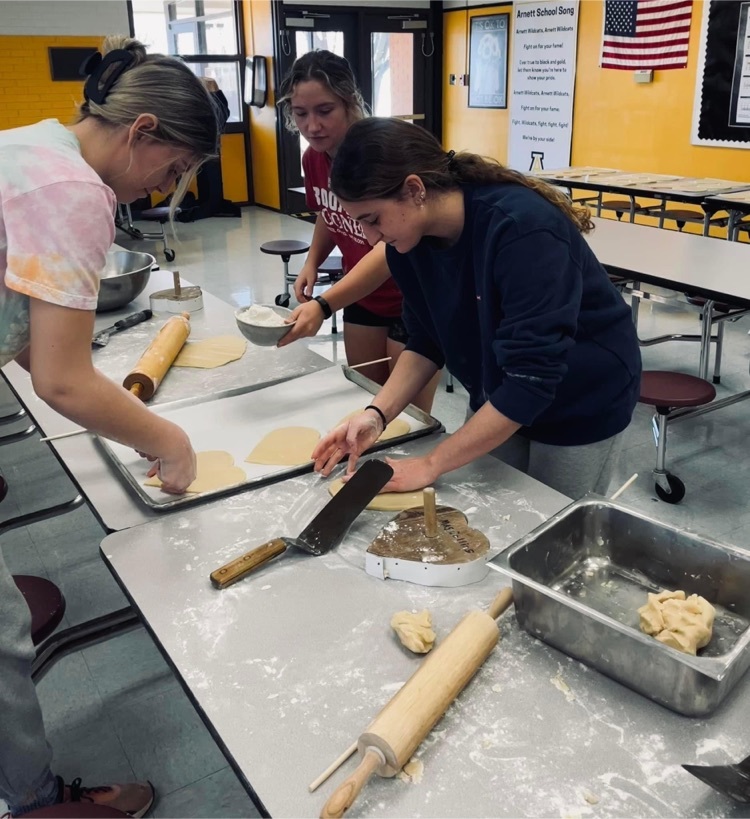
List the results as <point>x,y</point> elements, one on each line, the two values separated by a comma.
<point>144,379</point>
<point>388,744</point>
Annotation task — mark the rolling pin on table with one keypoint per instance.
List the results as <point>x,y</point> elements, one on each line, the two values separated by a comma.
<point>405,721</point>
<point>144,379</point>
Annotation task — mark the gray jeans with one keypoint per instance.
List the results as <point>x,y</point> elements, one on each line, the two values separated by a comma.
<point>572,470</point>
<point>25,755</point>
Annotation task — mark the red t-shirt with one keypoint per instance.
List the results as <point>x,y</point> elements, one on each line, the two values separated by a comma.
<point>345,231</point>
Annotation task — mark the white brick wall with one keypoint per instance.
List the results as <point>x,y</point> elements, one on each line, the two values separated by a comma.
<point>61,17</point>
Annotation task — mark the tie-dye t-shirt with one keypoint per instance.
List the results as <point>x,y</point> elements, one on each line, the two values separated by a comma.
<point>56,225</point>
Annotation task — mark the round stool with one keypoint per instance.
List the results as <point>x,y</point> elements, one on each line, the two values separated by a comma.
<point>286,248</point>
<point>46,603</point>
<point>667,391</point>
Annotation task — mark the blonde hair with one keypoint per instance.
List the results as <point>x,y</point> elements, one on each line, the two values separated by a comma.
<point>379,153</point>
<point>165,87</point>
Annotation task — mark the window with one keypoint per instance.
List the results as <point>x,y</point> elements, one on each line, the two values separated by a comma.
<point>205,33</point>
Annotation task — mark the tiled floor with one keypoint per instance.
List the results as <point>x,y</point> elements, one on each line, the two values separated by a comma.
<point>115,711</point>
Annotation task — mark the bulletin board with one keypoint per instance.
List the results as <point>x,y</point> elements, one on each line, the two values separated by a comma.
<point>721,112</point>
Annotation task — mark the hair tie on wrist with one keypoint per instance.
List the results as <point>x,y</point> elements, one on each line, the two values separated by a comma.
<point>380,413</point>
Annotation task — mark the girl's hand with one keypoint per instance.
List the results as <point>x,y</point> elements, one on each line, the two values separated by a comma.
<point>410,474</point>
<point>308,318</point>
<point>176,467</point>
<point>304,283</point>
<point>351,438</point>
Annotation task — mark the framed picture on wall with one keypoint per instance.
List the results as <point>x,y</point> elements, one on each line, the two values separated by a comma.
<point>488,61</point>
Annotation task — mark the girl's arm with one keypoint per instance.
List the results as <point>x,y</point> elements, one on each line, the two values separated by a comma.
<point>63,376</point>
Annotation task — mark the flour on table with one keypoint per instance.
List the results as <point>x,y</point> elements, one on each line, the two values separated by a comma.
<point>215,470</point>
<point>286,446</point>
<point>211,352</point>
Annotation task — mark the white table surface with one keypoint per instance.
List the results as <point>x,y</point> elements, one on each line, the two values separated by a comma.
<point>289,666</point>
<point>110,499</point>
<point>683,262</point>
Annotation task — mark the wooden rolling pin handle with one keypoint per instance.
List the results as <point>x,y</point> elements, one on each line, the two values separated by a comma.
<point>137,389</point>
<point>176,280</point>
<point>236,569</point>
<point>343,797</point>
<point>430,512</point>
<point>502,601</point>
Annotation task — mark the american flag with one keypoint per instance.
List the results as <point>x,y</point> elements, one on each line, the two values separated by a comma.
<point>641,34</point>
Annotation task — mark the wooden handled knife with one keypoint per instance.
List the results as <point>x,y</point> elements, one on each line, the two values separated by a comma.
<point>324,531</point>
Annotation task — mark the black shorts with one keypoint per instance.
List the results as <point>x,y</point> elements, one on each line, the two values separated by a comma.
<point>356,314</point>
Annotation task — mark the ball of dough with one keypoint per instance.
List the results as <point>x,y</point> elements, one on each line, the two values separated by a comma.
<point>414,630</point>
<point>684,623</point>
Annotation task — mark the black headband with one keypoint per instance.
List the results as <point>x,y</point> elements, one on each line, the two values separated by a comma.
<point>95,66</point>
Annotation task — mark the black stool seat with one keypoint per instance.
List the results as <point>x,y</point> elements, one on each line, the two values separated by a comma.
<point>284,247</point>
<point>331,269</point>
<point>661,388</point>
<point>46,603</point>
<point>157,214</point>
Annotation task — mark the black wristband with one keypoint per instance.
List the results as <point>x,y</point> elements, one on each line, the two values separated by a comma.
<point>324,306</point>
<point>380,413</point>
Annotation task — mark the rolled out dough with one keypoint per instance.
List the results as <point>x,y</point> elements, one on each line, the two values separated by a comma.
<point>395,429</point>
<point>414,630</point>
<point>386,501</point>
<point>286,446</point>
<point>215,470</point>
<point>683,623</point>
<point>211,352</point>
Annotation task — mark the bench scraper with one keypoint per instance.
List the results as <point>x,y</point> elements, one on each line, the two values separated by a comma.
<point>731,780</point>
<point>323,532</point>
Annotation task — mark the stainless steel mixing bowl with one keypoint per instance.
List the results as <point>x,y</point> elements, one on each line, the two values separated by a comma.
<point>124,278</point>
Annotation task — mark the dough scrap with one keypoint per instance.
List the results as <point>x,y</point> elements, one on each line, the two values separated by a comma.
<point>386,501</point>
<point>412,771</point>
<point>215,470</point>
<point>414,630</point>
<point>684,623</point>
<point>286,446</point>
<point>395,429</point>
<point>211,352</point>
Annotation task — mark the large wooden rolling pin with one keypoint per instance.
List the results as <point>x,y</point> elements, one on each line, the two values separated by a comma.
<point>144,379</point>
<point>388,744</point>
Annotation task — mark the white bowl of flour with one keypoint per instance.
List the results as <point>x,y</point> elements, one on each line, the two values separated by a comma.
<point>263,324</point>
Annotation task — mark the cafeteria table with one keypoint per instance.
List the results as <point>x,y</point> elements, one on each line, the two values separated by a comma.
<point>290,665</point>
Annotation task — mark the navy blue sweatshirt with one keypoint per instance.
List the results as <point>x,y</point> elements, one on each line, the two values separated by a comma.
<point>524,316</point>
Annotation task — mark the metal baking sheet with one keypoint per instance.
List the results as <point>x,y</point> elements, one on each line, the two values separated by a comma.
<point>236,421</point>
<point>579,579</point>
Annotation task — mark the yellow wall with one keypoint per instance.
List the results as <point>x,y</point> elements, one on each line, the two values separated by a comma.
<point>30,95</point>
<point>616,123</point>
<point>482,130</point>
<point>259,39</point>
<point>28,92</point>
